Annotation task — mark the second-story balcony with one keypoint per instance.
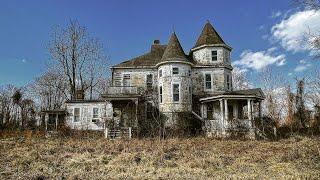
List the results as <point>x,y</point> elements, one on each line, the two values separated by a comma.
<point>121,91</point>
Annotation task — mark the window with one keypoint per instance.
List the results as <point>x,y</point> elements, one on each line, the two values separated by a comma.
<point>189,73</point>
<point>160,73</point>
<point>149,81</point>
<point>214,55</point>
<point>210,111</point>
<point>126,80</point>
<point>76,114</point>
<point>160,94</point>
<point>228,82</point>
<point>95,114</point>
<point>175,70</point>
<point>175,92</point>
<point>208,81</point>
<point>226,55</point>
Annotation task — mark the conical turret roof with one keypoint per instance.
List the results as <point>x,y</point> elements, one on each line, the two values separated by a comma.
<point>174,50</point>
<point>208,36</point>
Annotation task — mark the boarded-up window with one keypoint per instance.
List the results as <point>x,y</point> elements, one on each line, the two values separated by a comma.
<point>208,81</point>
<point>175,92</point>
<point>126,80</point>
<point>76,114</point>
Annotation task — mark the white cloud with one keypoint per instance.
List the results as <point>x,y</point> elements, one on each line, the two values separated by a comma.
<point>24,60</point>
<point>290,74</point>
<point>276,14</point>
<point>260,59</point>
<point>291,31</point>
<point>302,66</point>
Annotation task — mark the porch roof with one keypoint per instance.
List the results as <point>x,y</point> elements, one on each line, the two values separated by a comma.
<point>240,94</point>
<point>54,111</point>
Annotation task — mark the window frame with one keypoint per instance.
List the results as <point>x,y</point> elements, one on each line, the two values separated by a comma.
<point>93,115</point>
<point>173,72</point>
<point>214,58</point>
<point>160,94</point>
<point>74,115</point>
<point>228,82</point>
<point>173,92</point>
<point>148,83</point>
<point>160,73</point>
<point>227,56</point>
<point>127,78</point>
<point>205,81</point>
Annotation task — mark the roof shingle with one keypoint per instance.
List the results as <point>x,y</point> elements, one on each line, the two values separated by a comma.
<point>209,36</point>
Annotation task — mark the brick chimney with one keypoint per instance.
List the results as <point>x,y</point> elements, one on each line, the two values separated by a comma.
<point>79,94</point>
<point>155,44</point>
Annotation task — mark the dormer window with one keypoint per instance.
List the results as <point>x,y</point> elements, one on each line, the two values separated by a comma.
<point>214,55</point>
<point>175,70</point>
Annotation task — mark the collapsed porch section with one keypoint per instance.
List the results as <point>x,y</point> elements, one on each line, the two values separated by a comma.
<point>231,113</point>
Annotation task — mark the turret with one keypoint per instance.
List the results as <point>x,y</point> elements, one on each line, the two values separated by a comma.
<point>174,76</point>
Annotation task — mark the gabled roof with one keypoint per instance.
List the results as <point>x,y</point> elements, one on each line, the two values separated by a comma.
<point>149,59</point>
<point>208,36</point>
<point>174,51</point>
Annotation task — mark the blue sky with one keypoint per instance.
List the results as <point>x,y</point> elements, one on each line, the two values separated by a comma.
<point>259,31</point>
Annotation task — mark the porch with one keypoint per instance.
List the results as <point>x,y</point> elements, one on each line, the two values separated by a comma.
<point>228,114</point>
<point>125,104</point>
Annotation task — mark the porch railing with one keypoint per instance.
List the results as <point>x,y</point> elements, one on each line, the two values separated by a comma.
<point>121,90</point>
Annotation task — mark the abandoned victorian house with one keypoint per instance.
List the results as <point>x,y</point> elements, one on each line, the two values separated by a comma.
<point>166,88</point>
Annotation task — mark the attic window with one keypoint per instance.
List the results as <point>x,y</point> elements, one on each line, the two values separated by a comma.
<point>175,70</point>
<point>214,55</point>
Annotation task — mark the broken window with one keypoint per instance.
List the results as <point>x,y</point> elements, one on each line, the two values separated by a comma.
<point>175,70</point>
<point>160,94</point>
<point>208,81</point>
<point>126,80</point>
<point>175,92</point>
<point>76,114</point>
<point>149,81</point>
<point>214,55</point>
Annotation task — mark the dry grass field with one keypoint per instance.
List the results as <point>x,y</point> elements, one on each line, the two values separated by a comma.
<point>194,158</point>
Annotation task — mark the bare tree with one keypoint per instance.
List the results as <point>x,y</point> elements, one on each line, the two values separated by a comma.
<point>239,79</point>
<point>309,4</point>
<point>79,57</point>
<point>49,90</point>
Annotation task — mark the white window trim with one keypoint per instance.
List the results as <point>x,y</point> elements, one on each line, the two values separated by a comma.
<point>98,118</point>
<point>179,92</point>
<point>204,80</point>
<point>212,56</point>
<point>80,111</point>
<point>159,73</point>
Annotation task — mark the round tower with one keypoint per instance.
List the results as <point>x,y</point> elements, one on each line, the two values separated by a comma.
<point>174,78</point>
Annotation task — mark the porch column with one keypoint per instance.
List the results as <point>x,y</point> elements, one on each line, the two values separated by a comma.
<point>57,122</point>
<point>226,111</point>
<point>221,111</point>
<point>249,110</point>
<point>46,119</point>
<point>136,121</point>
<point>260,117</point>
<point>202,110</point>
<point>236,110</point>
